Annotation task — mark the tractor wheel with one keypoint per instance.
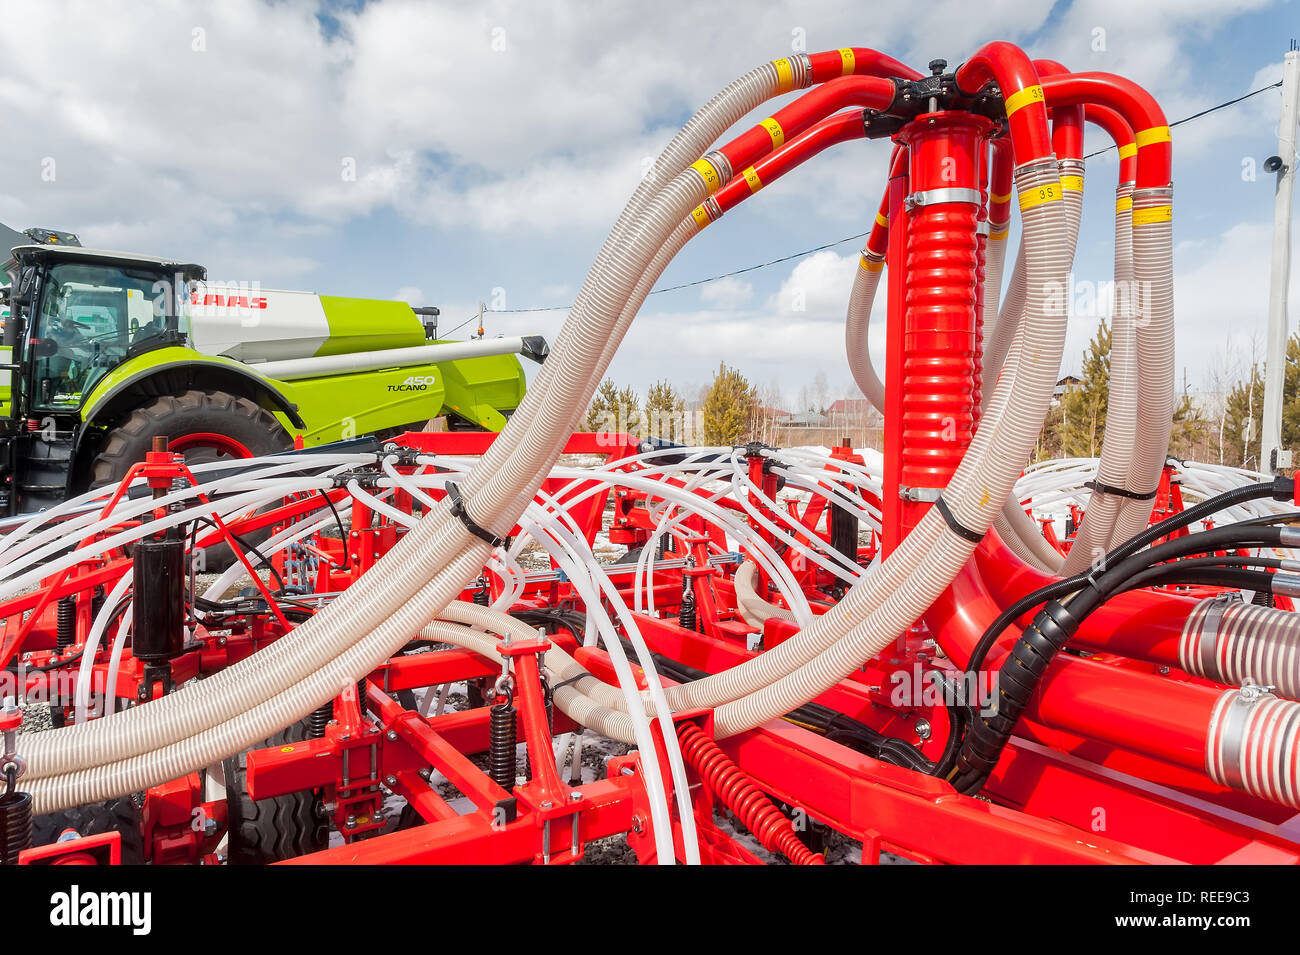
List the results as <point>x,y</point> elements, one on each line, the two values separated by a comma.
<point>205,426</point>
<point>117,815</point>
<point>271,830</point>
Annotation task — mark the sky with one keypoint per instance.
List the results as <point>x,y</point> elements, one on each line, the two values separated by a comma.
<point>455,153</point>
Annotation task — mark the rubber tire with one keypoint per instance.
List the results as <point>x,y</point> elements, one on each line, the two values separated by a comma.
<point>215,412</point>
<point>275,829</point>
<point>117,815</point>
<point>178,415</point>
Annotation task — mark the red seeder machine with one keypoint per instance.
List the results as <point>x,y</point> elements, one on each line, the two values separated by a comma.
<point>416,640</point>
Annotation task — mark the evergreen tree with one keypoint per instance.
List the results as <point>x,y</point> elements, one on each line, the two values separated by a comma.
<point>729,409</point>
<point>665,412</point>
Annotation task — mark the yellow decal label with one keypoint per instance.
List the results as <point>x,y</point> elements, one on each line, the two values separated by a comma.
<point>1025,97</point>
<point>1036,197</point>
<point>994,197</point>
<point>870,265</point>
<point>882,220</point>
<point>848,62</point>
<point>1156,134</point>
<point>784,75</point>
<point>1072,183</point>
<point>708,174</point>
<point>701,217</point>
<point>1154,214</point>
<point>1128,151</point>
<point>751,177</point>
<point>774,131</point>
<point>1124,204</point>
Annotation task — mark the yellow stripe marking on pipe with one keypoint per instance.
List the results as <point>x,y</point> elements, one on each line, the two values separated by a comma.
<point>701,216</point>
<point>1128,151</point>
<point>882,220</point>
<point>994,197</point>
<point>1156,134</point>
<point>784,75</point>
<point>774,131</point>
<point>1036,197</point>
<point>1124,204</point>
<point>870,265</point>
<point>712,180</point>
<point>999,234</point>
<point>1072,183</point>
<point>1025,97</point>
<point>1153,215</point>
<point>848,62</point>
<point>751,177</point>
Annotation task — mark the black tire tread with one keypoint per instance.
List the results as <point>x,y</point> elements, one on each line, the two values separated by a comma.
<point>116,815</point>
<point>271,830</point>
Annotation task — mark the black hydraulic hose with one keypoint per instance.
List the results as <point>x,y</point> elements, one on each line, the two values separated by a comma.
<point>1052,628</point>
<point>1121,554</point>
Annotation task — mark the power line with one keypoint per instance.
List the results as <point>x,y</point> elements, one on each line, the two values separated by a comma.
<point>860,235</point>
<point>1204,112</point>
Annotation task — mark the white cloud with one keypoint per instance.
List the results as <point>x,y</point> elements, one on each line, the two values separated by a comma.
<point>730,292</point>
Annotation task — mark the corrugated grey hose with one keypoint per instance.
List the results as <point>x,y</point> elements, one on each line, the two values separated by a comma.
<point>1153,279</point>
<point>857,324</point>
<point>1095,533</point>
<point>251,700</point>
<point>1016,528</point>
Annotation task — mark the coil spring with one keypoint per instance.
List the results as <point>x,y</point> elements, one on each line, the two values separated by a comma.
<point>15,822</point>
<point>97,601</point>
<point>502,741</point>
<point>66,633</point>
<point>319,718</point>
<point>686,614</point>
<point>739,793</point>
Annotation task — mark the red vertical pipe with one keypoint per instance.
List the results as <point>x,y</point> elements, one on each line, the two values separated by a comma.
<point>891,504</point>
<point>937,378</point>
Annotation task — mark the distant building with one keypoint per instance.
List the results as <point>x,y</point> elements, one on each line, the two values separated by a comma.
<point>1063,387</point>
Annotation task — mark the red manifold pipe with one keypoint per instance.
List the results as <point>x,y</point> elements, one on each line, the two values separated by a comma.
<point>869,92</point>
<point>938,366</point>
<point>857,61</point>
<point>1008,66</point>
<point>1120,133</point>
<point>840,128</point>
<point>1138,108</point>
<point>1067,121</point>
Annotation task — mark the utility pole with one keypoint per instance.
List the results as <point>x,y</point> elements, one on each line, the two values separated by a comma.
<point>1273,457</point>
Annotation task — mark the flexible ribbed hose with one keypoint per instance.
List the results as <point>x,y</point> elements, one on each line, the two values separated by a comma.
<point>1153,246</point>
<point>857,325</point>
<point>1096,532</point>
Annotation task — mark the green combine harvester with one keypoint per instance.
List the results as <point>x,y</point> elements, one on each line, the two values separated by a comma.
<point>104,351</point>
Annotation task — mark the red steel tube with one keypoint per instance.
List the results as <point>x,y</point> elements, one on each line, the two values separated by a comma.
<point>840,128</point>
<point>870,92</point>
<point>1009,66</point>
<point>1121,133</point>
<point>939,305</point>
<point>1138,108</point>
<point>1067,121</point>
<point>857,61</point>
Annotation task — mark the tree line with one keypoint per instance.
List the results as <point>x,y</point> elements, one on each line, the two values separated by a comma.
<point>1221,427</point>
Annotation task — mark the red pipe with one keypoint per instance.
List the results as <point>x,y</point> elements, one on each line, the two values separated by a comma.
<point>1067,121</point>
<point>870,92</point>
<point>1138,108</point>
<point>857,61</point>
<point>1008,66</point>
<point>840,128</point>
<point>939,315</point>
<point>1121,133</point>
<point>1000,185</point>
